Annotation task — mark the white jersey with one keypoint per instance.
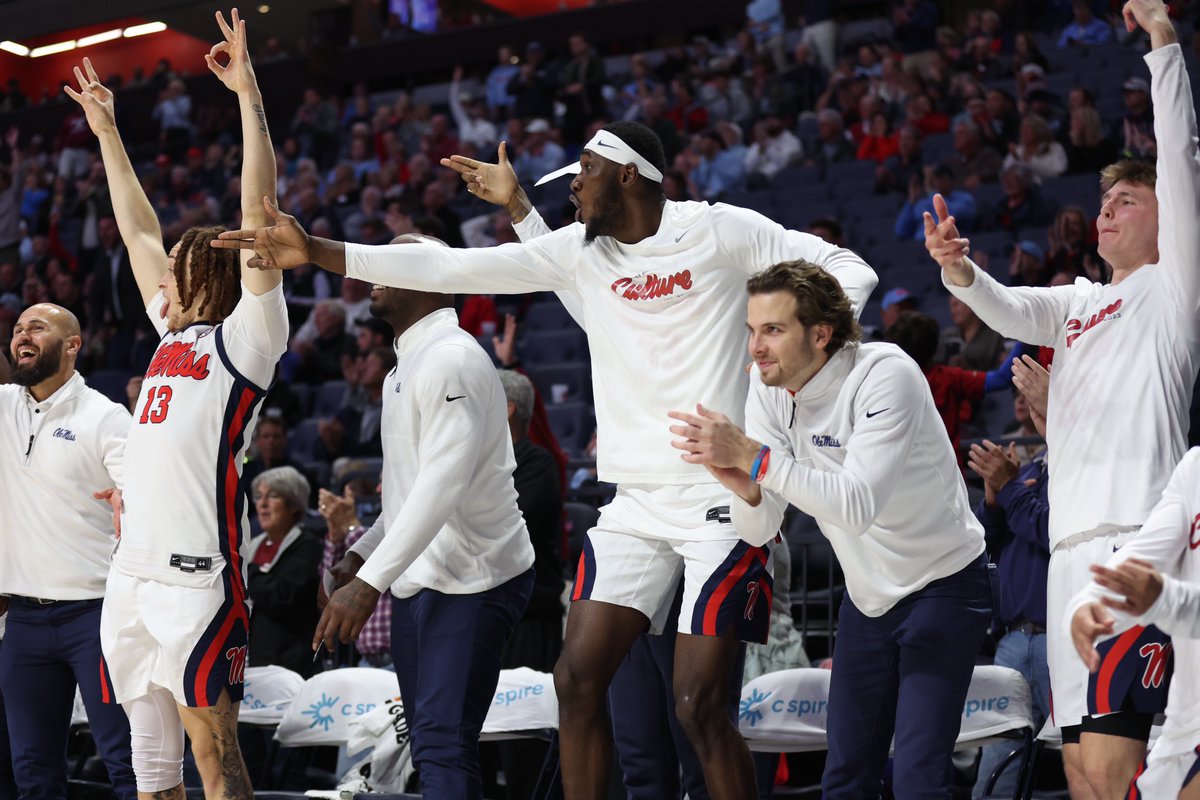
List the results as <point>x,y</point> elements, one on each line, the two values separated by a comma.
<point>1125,356</point>
<point>665,317</point>
<point>863,450</point>
<point>185,514</point>
<point>1170,540</point>
<point>56,539</point>
<point>450,520</point>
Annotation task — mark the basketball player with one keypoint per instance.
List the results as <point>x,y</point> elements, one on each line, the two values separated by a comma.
<point>849,434</point>
<point>175,619</point>
<point>661,286</point>
<point>1126,357</point>
<point>1155,579</point>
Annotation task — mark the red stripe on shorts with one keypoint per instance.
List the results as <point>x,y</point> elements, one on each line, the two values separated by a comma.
<point>1111,661</point>
<point>713,607</point>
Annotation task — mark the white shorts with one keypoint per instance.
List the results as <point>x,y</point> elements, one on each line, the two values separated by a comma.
<point>189,641</point>
<point>727,583</point>
<point>1165,776</point>
<point>1117,686</point>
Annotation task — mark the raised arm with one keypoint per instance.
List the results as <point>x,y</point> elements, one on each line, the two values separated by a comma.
<point>136,219</point>
<point>1178,166</point>
<point>258,156</point>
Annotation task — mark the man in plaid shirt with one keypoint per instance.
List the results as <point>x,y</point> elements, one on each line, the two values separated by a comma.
<point>343,529</point>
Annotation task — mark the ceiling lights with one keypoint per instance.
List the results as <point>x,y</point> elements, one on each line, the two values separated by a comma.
<point>19,49</point>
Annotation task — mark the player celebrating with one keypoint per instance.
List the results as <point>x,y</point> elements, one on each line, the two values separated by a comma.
<point>849,434</point>
<point>661,286</point>
<point>1131,590</point>
<point>1125,361</point>
<point>175,619</point>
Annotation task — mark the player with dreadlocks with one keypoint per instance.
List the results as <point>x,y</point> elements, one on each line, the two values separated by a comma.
<point>175,621</point>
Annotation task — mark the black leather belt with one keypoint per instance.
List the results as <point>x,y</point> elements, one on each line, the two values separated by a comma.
<point>44,601</point>
<point>1028,628</point>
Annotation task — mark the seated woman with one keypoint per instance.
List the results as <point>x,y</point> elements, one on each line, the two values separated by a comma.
<point>282,574</point>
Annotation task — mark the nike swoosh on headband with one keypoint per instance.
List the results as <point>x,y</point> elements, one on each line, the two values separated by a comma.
<point>622,154</point>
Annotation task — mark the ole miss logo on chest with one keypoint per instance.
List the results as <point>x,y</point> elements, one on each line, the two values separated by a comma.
<point>177,359</point>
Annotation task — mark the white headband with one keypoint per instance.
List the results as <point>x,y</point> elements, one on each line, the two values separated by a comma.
<point>608,145</point>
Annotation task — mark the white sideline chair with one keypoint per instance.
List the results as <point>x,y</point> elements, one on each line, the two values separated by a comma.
<point>321,711</point>
<point>268,694</point>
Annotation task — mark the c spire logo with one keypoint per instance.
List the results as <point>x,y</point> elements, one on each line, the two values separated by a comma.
<point>321,712</point>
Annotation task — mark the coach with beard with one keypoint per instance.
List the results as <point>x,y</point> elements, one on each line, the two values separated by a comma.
<point>61,450</point>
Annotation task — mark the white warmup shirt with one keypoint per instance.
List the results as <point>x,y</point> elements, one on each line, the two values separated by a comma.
<point>1125,356</point>
<point>863,450</point>
<point>665,317</point>
<point>55,539</point>
<point>185,510</point>
<point>450,520</point>
<point>1169,540</point>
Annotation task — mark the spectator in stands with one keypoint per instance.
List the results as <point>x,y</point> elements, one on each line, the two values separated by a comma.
<point>270,452</point>
<point>435,203</point>
<point>688,113</point>
<point>354,431</point>
<point>1088,149</point>
<point>362,161</point>
<point>920,112</point>
<point>1002,123</point>
<point>833,145</point>
<point>868,106</point>
<point>315,125</point>
<point>320,356</point>
<point>895,302</point>
<point>880,144</point>
<point>804,79</point>
<point>724,96</point>
<point>910,220</point>
<point>1037,149</point>
<point>954,389</point>
<point>765,21</point>
<point>282,574</point>
<point>370,205</point>
<point>371,332</point>
<point>774,148</point>
<point>717,171</point>
<point>1027,265</point>
<point>1138,127</point>
<point>65,292</point>
<point>914,23</point>
<point>496,95</point>
<point>1072,243</point>
<point>439,142</point>
<point>972,161</point>
<point>74,145</point>
<point>12,179</point>
<point>1085,29</point>
<point>1026,51</point>
<point>533,87</point>
<point>982,348</point>
<point>980,61</point>
<point>1023,205</point>
<point>539,154</point>
<point>470,117</point>
<point>342,530</point>
<point>653,116</point>
<point>536,639</point>
<point>1015,513</point>
<point>174,116</point>
<point>828,229</point>
<point>581,88</point>
<point>897,172</point>
<point>640,86</point>
<point>1023,425</point>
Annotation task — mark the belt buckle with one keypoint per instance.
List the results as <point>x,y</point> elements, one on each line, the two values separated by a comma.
<point>41,601</point>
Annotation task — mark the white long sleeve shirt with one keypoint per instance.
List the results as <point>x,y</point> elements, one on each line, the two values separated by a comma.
<point>665,317</point>
<point>55,539</point>
<point>1169,540</point>
<point>1126,355</point>
<point>862,449</point>
<point>450,520</point>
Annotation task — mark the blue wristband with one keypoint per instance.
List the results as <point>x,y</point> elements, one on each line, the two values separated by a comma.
<point>763,452</point>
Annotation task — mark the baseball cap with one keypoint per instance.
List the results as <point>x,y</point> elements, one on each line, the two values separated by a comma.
<point>894,296</point>
<point>1029,248</point>
<point>1033,70</point>
<point>537,126</point>
<point>1135,85</point>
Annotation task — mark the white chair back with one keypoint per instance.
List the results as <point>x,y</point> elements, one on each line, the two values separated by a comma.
<point>321,711</point>
<point>524,702</point>
<point>268,694</point>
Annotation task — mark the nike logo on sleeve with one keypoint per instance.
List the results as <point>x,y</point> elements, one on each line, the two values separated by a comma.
<point>450,399</point>
<point>876,413</point>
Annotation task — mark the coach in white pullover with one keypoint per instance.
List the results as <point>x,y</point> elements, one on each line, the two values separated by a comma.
<point>1126,357</point>
<point>60,442</point>
<point>450,543</point>
<point>848,433</point>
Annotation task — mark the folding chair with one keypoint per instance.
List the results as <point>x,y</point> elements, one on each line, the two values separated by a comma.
<point>266,697</point>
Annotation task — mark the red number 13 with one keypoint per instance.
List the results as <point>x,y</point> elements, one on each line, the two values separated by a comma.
<point>160,409</point>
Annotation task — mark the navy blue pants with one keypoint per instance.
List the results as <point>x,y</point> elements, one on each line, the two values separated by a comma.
<point>447,650</point>
<point>906,672</point>
<point>652,748</point>
<point>47,650</point>
<point>8,787</point>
